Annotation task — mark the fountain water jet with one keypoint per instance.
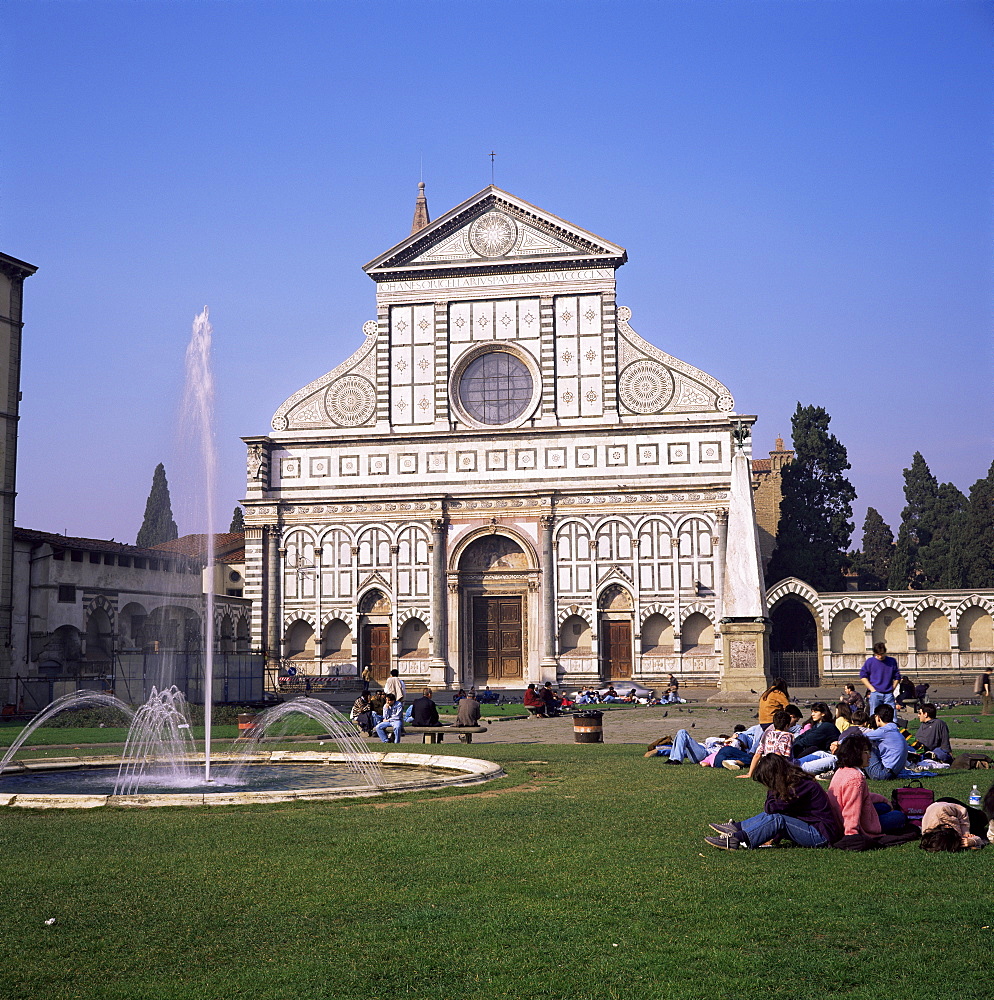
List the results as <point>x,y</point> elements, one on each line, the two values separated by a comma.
<point>67,703</point>
<point>198,414</point>
<point>336,725</point>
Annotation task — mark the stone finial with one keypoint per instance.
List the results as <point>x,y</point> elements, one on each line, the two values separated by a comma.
<point>421,218</point>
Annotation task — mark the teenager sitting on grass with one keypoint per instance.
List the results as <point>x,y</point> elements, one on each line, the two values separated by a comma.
<point>772,699</point>
<point>796,809</point>
<point>535,703</point>
<point>857,809</point>
<point>777,740</point>
<point>888,748</point>
<point>933,733</point>
<point>820,734</point>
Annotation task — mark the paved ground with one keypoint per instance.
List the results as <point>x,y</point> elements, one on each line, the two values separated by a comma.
<point>639,726</point>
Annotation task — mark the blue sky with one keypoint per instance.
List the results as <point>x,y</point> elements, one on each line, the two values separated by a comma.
<point>803,188</point>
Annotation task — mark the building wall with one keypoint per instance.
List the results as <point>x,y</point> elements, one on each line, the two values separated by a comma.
<point>605,490</point>
<point>934,635</point>
<point>12,275</point>
<point>767,494</point>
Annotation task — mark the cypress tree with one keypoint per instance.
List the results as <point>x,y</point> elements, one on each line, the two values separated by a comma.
<point>158,526</point>
<point>921,493</point>
<point>978,533</point>
<point>237,520</point>
<point>942,560</point>
<point>816,508</point>
<point>873,561</point>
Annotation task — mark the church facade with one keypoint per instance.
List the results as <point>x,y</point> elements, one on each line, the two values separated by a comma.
<point>504,483</point>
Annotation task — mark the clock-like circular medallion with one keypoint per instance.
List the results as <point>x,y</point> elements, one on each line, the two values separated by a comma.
<point>350,401</point>
<point>493,234</point>
<point>646,386</point>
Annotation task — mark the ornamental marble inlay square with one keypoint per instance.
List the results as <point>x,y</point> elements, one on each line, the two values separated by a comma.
<point>526,458</point>
<point>348,465</point>
<point>407,463</point>
<point>496,460</point>
<point>555,458</point>
<point>466,461</point>
<point>585,457</point>
<point>320,467</point>
<point>678,453</point>
<point>617,454</point>
<point>379,465</point>
<point>438,461</point>
<point>648,454</point>
<point>710,451</point>
<point>290,468</point>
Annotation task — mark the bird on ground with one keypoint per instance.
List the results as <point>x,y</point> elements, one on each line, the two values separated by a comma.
<point>665,713</point>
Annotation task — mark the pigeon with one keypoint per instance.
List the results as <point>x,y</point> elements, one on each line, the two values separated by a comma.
<point>752,691</point>
<point>666,713</point>
<point>975,720</point>
<point>693,724</point>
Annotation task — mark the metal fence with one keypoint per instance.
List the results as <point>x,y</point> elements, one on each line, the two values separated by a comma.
<point>238,678</point>
<point>798,669</point>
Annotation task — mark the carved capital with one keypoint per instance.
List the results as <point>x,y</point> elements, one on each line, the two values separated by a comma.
<point>438,524</point>
<point>548,520</point>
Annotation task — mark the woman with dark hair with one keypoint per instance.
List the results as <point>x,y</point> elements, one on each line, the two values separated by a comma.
<point>988,806</point>
<point>776,696</point>
<point>796,808</point>
<point>843,716</point>
<point>820,734</point>
<point>857,809</point>
<point>946,827</point>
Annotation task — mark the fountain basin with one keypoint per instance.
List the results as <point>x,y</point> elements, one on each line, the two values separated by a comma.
<point>438,771</point>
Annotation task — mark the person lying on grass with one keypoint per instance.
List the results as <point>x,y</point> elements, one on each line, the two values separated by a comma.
<point>796,809</point>
<point>946,827</point>
<point>856,808</point>
<point>684,745</point>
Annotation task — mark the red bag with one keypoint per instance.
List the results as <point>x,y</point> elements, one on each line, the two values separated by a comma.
<point>913,801</point>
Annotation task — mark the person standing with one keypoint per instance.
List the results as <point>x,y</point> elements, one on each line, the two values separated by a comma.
<point>395,686</point>
<point>367,676</point>
<point>983,688</point>
<point>880,676</point>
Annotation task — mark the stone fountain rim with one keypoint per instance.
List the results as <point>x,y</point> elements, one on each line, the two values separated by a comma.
<point>467,771</point>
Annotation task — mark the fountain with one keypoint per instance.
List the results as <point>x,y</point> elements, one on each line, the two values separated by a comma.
<point>160,764</point>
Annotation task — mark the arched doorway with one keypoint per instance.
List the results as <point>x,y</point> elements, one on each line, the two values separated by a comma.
<point>614,633</point>
<point>494,573</point>
<point>794,643</point>
<point>374,632</point>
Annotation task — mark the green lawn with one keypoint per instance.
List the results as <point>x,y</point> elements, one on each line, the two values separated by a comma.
<point>582,875</point>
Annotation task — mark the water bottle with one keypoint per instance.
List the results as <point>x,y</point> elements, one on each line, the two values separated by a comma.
<point>975,797</point>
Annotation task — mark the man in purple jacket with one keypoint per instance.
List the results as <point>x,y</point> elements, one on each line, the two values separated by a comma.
<point>881,676</point>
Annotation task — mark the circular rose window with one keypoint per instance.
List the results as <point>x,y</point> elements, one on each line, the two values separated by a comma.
<point>495,388</point>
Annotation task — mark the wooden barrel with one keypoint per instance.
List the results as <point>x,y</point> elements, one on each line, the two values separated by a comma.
<point>588,727</point>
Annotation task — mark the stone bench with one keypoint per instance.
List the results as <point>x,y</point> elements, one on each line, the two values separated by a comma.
<point>435,734</point>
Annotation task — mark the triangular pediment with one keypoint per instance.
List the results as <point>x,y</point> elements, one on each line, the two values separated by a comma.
<point>491,231</point>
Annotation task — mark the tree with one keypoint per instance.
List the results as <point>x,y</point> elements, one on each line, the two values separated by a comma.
<point>921,493</point>
<point>942,561</point>
<point>873,561</point>
<point>237,520</point>
<point>978,533</point>
<point>158,526</point>
<point>816,508</point>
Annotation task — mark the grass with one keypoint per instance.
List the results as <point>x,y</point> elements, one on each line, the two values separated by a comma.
<point>583,874</point>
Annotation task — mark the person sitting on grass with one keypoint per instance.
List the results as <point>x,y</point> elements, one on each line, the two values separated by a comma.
<point>820,734</point>
<point>393,718</point>
<point>888,748</point>
<point>535,703</point>
<point>988,807</point>
<point>946,827</point>
<point>773,698</point>
<point>933,733</point>
<point>852,698</point>
<point>796,725</point>
<point>777,740</point>
<point>796,808</point>
<point>857,809</point>
<point>610,694</point>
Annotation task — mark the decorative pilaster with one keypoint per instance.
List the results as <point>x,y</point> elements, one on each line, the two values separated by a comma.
<point>549,665</point>
<point>439,603</point>
<point>273,603</point>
